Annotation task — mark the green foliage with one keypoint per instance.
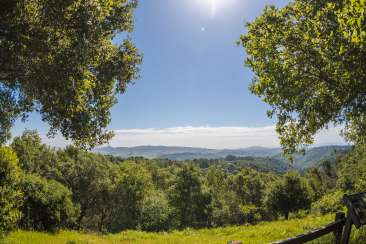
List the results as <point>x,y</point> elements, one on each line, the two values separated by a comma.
<point>47,205</point>
<point>352,21</point>
<point>225,204</point>
<point>352,171</point>
<point>249,186</point>
<point>189,199</point>
<point>156,213</point>
<point>91,178</point>
<point>308,70</point>
<point>289,194</point>
<point>251,213</point>
<point>34,157</point>
<point>52,50</point>
<point>322,178</point>
<point>72,188</point>
<point>329,203</point>
<point>132,186</point>
<point>10,194</point>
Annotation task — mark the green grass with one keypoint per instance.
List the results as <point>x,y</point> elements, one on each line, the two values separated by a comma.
<point>262,233</point>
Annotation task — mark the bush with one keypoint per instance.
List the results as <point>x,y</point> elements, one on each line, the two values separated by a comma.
<point>251,213</point>
<point>329,203</point>
<point>47,205</point>
<point>10,194</point>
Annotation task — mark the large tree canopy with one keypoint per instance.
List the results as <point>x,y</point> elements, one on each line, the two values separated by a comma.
<point>309,60</point>
<point>58,58</point>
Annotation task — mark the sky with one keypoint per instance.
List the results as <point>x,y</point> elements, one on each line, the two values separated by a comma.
<point>193,89</point>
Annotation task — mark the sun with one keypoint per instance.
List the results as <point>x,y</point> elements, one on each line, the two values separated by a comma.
<point>211,5</point>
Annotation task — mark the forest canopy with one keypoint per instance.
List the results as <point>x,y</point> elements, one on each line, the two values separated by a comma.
<point>48,189</point>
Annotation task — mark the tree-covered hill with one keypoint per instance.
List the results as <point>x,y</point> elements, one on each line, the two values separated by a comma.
<point>316,155</point>
<point>184,153</point>
<point>258,157</point>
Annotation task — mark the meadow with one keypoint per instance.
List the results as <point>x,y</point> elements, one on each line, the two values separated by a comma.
<point>264,232</point>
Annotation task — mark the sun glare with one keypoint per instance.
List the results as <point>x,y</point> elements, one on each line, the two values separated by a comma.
<point>212,6</point>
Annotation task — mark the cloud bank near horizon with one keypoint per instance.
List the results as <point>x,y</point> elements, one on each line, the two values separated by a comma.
<point>207,137</point>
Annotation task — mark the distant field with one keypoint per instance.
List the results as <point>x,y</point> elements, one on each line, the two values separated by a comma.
<point>261,233</point>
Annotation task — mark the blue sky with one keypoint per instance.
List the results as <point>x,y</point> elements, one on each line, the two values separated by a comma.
<point>192,77</point>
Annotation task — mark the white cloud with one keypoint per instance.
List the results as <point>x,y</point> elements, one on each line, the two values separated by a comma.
<point>213,137</point>
<point>205,136</point>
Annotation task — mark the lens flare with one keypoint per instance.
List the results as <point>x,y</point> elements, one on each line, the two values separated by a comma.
<point>214,7</point>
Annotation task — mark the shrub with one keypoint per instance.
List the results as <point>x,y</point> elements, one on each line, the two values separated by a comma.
<point>47,204</point>
<point>329,203</point>
<point>251,213</point>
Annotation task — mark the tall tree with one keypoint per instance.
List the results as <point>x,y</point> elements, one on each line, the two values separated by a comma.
<point>10,194</point>
<point>289,194</point>
<point>58,58</point>
<point>189,198</point>
<point>225,204</point>
<point>132,187</point>
<point>309,62</point>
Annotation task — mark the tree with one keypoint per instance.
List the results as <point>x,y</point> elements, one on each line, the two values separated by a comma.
<point>353,22</point>
<point>132,187</point>
<point>10,194</point>
<point>225,204</point>
<point>156,213</point>
<point>289,194</point>
<point>249,186</point>
<point>352,171</point>
<point>191,202</point>
<point>322,178</point>
<point>58,59</point>
<point>28,148</point>
<point>35,157</point>
<point>309,65</point>
<point>92,180</point>
<point>47,205</point>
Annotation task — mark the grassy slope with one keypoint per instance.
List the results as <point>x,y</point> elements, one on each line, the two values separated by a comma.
<point>261,233</point>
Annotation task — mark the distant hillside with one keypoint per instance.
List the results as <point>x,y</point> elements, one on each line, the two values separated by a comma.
<point>186,153</point>
<point>311,157</point>
<point>152,151</point>
<point>316,155</point>
<point>233,164</point>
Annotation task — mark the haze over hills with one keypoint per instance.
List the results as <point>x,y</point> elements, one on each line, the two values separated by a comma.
<point>316,155</point>
<point>185,153</point>
<point>312,156</point>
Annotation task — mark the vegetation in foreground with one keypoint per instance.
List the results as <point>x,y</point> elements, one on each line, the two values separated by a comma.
<point>51,190</point>
<point>261,233</point>
<point>46,189</point>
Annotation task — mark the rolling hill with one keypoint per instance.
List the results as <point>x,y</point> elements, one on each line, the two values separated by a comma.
<point>311,158</point>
